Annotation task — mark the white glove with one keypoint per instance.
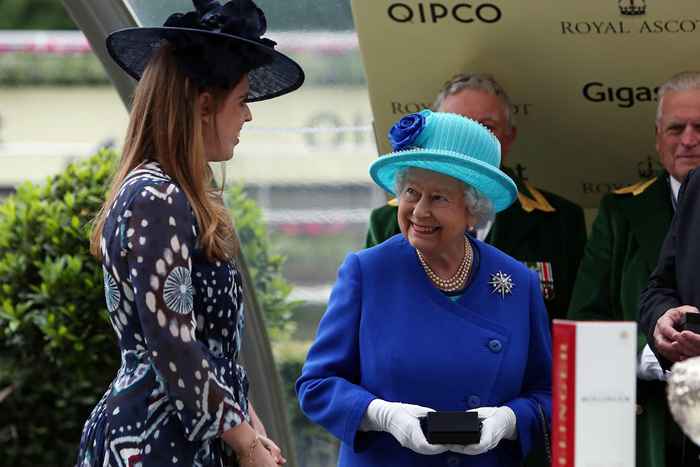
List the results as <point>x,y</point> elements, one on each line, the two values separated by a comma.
<point>497,423</point>
<point>401,421</point>
<point>649,368</point>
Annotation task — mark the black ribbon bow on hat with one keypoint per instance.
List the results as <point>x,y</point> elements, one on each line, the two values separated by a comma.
<point>238,18</point>
<point>213,60</point>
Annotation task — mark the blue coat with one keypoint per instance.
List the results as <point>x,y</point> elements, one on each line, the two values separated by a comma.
<point>388,333</point>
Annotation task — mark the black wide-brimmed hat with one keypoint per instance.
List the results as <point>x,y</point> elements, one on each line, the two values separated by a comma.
<point>213,45</point>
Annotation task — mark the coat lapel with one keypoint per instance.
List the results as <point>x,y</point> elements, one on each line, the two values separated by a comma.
<point>513,224</point>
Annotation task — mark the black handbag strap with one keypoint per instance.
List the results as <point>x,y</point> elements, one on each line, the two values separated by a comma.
<point>545,431</point>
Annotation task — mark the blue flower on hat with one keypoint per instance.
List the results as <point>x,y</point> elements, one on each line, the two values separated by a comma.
<point>405,131</point>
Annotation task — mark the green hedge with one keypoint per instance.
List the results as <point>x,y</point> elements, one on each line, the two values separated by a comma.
<point>84,69</point>
<point>314,446</point>
<point>26,69</point>
<point>57,349</point>
<point>56,345</point>
<point>34,14</point>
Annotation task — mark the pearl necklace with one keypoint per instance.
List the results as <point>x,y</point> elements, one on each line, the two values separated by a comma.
<point>459,279</point>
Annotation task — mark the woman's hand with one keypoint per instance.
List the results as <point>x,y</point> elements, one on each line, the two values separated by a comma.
<point>259,456</point>
<point>259,428</point>
<point>402,421</point>
<point>250,449</point>
<point>255,421</point>
<point>275,451</point>
<point>497,423</point>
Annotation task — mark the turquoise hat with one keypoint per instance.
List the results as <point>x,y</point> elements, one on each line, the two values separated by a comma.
<point>449,144</point>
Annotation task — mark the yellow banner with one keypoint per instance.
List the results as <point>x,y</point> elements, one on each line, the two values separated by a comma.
<point>583,75</point>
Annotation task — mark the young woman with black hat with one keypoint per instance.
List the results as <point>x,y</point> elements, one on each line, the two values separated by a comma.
<point>166,243</point>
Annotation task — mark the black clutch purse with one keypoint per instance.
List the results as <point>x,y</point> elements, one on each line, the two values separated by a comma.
<point>451,427</point>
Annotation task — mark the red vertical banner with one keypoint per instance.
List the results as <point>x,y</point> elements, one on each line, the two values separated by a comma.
<point>563,393</point>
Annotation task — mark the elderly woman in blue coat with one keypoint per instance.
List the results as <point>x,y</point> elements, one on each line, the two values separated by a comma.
<point>433,319</point>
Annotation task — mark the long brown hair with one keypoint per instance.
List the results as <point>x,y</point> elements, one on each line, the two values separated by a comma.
<point>165,125</point>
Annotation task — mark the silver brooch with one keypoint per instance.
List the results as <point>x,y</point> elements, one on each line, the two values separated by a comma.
<point>501,283</point>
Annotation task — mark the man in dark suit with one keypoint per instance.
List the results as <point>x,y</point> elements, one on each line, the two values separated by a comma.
<point>672,292</point>
<point>623,249</point>
<point>674,289</point>
<point>541,229</point>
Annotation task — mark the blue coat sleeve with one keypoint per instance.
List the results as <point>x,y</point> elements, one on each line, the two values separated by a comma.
<point>536,392</point>
<point>329,388</point>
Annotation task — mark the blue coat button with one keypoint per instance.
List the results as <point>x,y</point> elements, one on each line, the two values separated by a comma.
<point>453,461</point>
<point>474,401</point>
<point>495,345</point>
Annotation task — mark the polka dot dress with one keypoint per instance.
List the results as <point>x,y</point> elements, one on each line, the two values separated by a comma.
<point>179,321</point>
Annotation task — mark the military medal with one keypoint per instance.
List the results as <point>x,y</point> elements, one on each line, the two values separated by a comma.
<point>545,275</point>
<point>501,283</point>
<point>547,281</point>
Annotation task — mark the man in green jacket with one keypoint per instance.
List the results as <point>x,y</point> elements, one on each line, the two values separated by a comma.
<point>541,229</point>
<point>623,250</point>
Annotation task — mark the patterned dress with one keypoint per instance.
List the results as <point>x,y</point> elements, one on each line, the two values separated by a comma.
<point>179,322</point>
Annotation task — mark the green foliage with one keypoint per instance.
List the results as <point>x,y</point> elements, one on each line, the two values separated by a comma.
<point>34,14</point>
<point>265,268</point>
<point>84,69</point>
<point>315,447</point>
<point>26,69</point>
<point>57,348</point>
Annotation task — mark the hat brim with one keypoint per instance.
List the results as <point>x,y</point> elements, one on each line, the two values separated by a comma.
<point>132,48</point>
<point>490,181</point>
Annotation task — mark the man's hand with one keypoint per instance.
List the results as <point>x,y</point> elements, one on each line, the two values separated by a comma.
<point>676,345</point>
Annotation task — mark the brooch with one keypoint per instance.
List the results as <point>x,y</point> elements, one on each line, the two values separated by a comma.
<point>501,283</point>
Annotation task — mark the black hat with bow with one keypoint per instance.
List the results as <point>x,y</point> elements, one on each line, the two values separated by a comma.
<point>213,45</point>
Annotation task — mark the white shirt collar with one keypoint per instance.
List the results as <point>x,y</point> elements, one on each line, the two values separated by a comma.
<point>675,186</point>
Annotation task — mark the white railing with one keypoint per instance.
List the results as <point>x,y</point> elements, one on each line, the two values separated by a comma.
<point>316,216</point>
<point>311,294</point>
<point>62,42</point>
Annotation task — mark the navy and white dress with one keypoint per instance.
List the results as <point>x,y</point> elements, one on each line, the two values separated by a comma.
<point>179,323</point>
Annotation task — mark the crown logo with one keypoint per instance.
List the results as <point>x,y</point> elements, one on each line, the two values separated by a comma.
<point>648,167</point>
<point>632,7</point>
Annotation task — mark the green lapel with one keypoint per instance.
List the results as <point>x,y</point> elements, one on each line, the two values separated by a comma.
<point>650,215</point>
<point>514,223</point>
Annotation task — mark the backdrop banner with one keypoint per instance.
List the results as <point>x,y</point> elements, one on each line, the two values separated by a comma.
<point>583,76</point>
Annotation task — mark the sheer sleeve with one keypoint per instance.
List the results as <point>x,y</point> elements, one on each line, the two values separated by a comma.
<point>158,238</point>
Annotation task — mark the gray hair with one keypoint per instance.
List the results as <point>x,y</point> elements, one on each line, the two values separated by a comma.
<point>683,81</point>
<point>478,205</point>
<point>478,82</point>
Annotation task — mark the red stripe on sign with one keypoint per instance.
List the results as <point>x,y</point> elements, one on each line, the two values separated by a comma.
<point>563,393</point>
